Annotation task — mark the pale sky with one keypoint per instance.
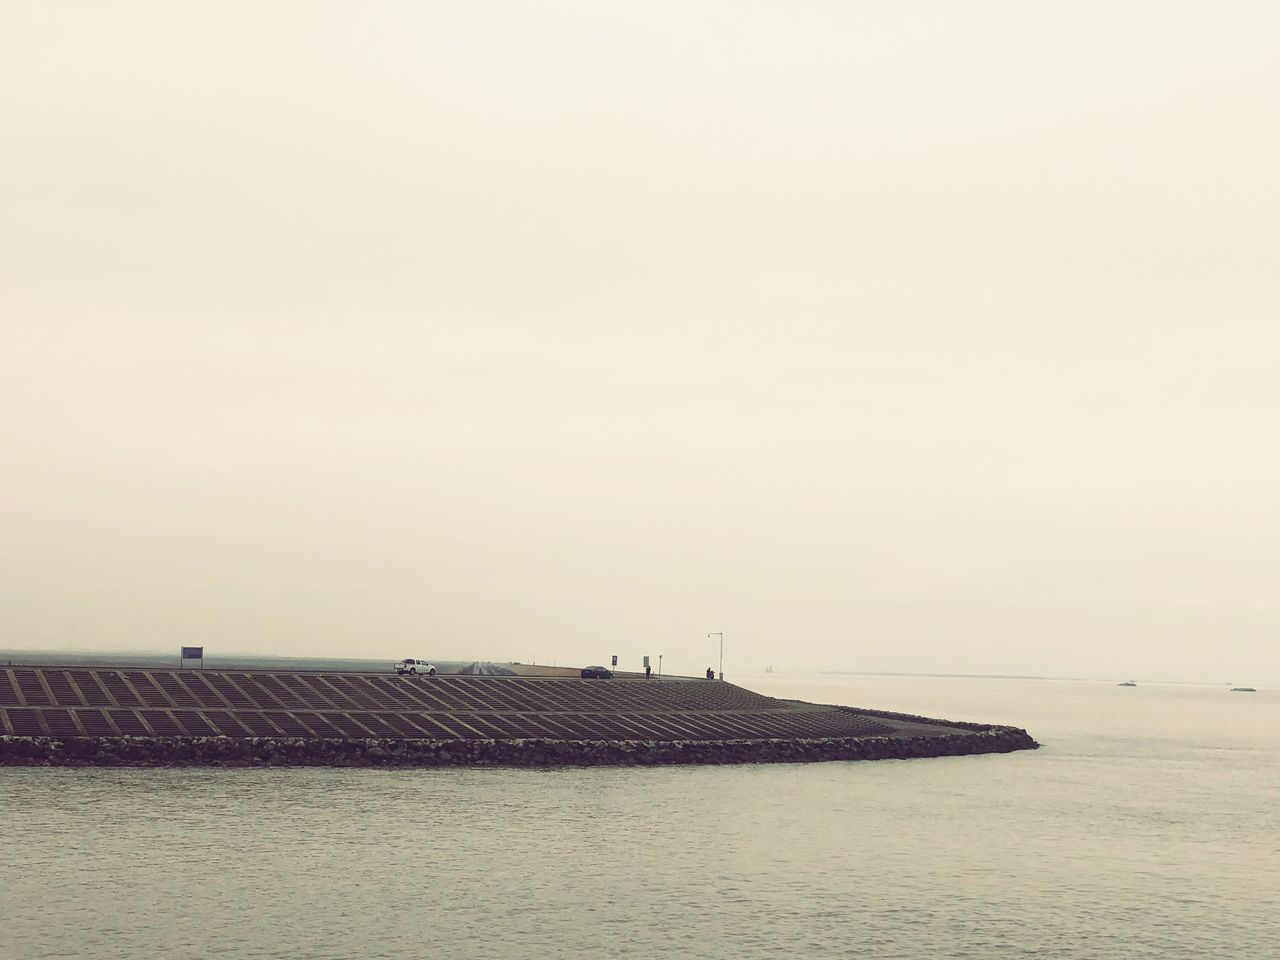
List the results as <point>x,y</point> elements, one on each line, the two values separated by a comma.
<point>925,336</point>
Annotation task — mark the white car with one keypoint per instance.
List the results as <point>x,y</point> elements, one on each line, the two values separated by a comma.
<point>414,666</point>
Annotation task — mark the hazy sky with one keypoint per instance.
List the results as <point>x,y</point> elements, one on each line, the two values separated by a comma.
<point>934,336</point>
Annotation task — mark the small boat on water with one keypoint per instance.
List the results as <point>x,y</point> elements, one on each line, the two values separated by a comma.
<point>1244,690</point>
<point>1127,683</point>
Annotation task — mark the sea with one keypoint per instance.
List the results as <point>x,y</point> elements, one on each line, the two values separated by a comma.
<point>1147,825</point>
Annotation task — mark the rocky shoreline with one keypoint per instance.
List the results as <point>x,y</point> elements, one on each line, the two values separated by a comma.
<point>315,752</point>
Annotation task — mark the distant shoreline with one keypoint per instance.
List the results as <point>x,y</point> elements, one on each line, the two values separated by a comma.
<point>1010,676</point>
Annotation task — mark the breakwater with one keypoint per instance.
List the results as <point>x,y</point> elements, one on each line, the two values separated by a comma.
<point>120,717</point>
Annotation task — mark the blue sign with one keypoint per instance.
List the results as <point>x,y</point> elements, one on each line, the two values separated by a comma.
<point>193,653</point>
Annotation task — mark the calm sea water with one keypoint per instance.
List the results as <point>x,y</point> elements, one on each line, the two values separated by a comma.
<point>1147,826</point>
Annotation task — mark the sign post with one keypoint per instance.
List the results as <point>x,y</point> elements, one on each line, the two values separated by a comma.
<point>615,661</point>
<point>191,653</point>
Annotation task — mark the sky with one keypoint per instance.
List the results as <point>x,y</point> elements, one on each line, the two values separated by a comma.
<point>913,336</point>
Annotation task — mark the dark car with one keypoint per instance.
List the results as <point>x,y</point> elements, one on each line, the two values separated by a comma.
<point>597,673</point>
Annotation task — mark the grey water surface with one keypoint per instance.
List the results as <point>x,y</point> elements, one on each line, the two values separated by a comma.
<point>1147,826</point>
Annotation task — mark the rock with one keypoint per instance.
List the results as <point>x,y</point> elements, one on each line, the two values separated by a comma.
<point>524,752</point>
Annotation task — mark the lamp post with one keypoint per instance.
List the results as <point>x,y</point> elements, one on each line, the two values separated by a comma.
<point>720,634</point>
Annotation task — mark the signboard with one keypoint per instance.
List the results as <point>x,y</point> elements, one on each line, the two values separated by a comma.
<point>193,653</point>
<point>615,659</point>
<point>646,660</point>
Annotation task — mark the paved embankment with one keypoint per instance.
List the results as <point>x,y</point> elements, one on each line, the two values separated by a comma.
<point>89,715</point>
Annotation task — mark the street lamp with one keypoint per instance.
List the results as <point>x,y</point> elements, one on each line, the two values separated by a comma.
<point>720,634</point>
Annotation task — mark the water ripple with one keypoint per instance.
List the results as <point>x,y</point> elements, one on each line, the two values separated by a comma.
<point>1160,844</point>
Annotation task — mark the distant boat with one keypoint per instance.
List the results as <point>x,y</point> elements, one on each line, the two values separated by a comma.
<point>1127,683</point>
<point>1243,690</point>
<point>769,668</point>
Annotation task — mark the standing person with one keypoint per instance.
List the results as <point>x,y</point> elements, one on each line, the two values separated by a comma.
<point>711,674</point>
<point>647,671</point>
